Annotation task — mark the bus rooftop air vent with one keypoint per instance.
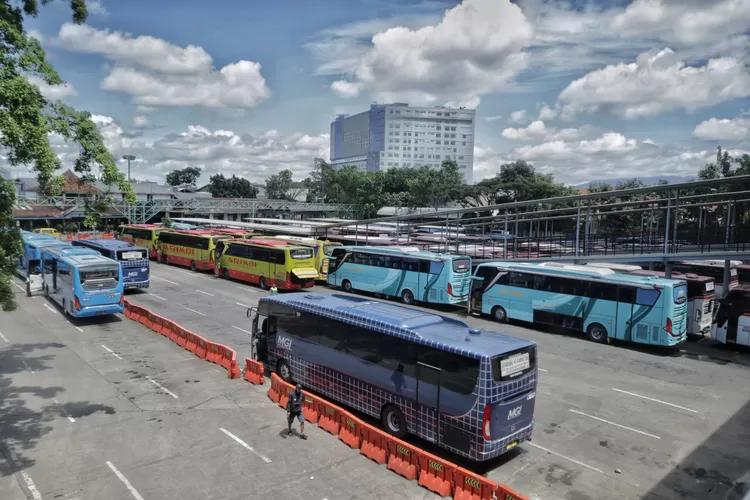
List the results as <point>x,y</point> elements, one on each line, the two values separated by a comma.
<point>475,331</point>
<point>314,296</point>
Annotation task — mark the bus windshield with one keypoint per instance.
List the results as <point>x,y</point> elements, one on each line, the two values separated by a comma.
<point>461,265</point>
<point>132,254</point>
<point>98,273</point>
<point>301,253</point>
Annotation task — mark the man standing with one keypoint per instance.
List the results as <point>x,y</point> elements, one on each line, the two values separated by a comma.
<point>294,410</point>
<point>274,290</point>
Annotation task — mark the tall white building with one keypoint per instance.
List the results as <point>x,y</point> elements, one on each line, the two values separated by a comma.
<point>398,135</point>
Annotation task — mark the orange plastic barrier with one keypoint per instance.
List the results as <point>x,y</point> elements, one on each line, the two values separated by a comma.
<point>374,444</point>
<point>310,408</point>
<point>284,394</point>
<point>146,319</point>
<point>436,474</point>
<point>212,353</point>
<point>504,493</point>
<point>330,417</point>
<point>162,325</point>
<point>403,458</point>
<point>470,486</point>
<point>201,346</point>
<point>127,311</point>
<point>274,390</point>
<point>180,335</point>
<point>351,430</point>
<point>108,236</point>
<point>191,342</point>
<point>254,372</point>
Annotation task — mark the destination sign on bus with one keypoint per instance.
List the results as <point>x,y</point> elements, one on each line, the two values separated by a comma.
<point>515,364</point>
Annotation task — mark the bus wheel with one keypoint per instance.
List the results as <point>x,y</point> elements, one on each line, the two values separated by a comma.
<point>65,307</point>
<point>393,421</point>
<point>192,265</point>
<point>347,286</point>
<point>499,314</point>
<point>596,333</point>
<point>163,259</point>
<point>28,288</point>
<point>407,297</point>
<point>263,285</point>
<point>226,273</point>
<point>282,369</point>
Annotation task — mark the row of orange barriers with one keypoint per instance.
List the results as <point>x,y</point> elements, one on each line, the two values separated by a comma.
<point>434,473</point>
<point>254,372</point>
<point>204,349</point>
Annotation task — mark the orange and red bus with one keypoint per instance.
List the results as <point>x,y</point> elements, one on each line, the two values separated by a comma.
<point>141,235</point>
<point>194,248</point>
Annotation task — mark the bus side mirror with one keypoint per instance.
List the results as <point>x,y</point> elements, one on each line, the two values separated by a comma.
<point>477,278</point>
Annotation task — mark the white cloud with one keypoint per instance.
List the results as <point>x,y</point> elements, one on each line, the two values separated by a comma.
<point>141,121</point>
<point>95,7</point>
<point>35,34</point>
<point>548,113</point>
<point>53,92</point>
<point>715,129</point>
<point>538,131</point>
<point>159,74</point>
<point>655,83</point>
<point>493,118</point>
<point>480,40</point>
<point>520,116</point>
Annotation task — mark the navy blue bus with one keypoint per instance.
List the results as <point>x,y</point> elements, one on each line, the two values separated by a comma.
<point>469,391</point>
<point>134,260</point>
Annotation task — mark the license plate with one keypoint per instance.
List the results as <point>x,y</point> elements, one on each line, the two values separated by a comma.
<point>99,312</point>
<point>510,446</point>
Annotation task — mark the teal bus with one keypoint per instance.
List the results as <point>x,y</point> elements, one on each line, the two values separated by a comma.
<point>599,302</point>
<point>403,272</point>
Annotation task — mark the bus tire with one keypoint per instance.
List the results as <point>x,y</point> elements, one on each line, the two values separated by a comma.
<point>65,308</point>
<point>162,259</point>
<point>393,421</point>
<point>597,333</point>
<point>226,273</point>
<point>346,285</point>
<point>192,265</point>
<point>499,314</point>
<point>283,371</point>
<point>407,297</point>
<point>28,288</point>
<point>262,283</point>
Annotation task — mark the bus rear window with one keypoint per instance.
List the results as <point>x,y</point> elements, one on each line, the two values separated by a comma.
<point>512,365</point>
<point>709,287</point>
<point>301,253</point>
<point>99,273</point>
<point>461,265</point>
<point>131,255</point>
<point>680,294</point>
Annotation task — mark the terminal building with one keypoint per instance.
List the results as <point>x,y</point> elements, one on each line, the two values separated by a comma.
<point>399,135</point>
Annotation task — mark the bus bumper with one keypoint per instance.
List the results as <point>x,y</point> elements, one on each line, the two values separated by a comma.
<point>103,310</point>
<point>487,450</point>
<point>133,285</point>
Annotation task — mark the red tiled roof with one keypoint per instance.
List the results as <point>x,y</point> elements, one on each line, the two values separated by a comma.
<point>583,191</point>
<point>37,212</point>
<point>73,185</point>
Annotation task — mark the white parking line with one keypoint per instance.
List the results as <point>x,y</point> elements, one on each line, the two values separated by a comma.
<point>32,487</point>
<point>157,384</point>
<point>205,293</point>
<point>19,287</point>
<point>158,296</point>
<point>113,353</point>
<point>246,288</point>
<point>529,443</point>
<point>3,337</point>
<point>50,308</point>
<point>615,424</point>
<point>163,279</point>
<point>193,310</point>
<point>26,365</point>
<point>122,478</point>
<point>63,412</point>
<point>240,329</point>
<point>243,305</point>
<point>79,329</point>
<point>265,458</point>
<point>655,400</point>
<point>542,370</point>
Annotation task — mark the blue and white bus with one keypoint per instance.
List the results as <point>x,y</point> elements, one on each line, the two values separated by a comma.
<point>30,262</point>
<point>401,272</point>
<point>133,259</point>
<point>468,391</point>
<point>600,302</point>
<point>83,285</point>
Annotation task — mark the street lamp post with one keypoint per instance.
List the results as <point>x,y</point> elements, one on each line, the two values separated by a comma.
<point>129,158</point>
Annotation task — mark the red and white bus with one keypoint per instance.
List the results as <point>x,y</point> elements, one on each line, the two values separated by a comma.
<point>713,269</point>
<point>732,319</point>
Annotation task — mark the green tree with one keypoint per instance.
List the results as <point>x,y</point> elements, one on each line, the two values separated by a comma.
<point>430,187</point>
<point>10,244</point>
<point>27,119</point>
<point>278,185</point>
<point>232,187</point>
<point>186,176</point>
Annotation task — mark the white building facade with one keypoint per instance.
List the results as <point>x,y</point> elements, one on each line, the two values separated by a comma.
<point>398,135</point>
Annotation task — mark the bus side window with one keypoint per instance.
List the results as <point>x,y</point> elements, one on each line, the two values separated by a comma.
<point>398,355</point>
<point>424,266</point>
<point>646,297</point>
<point>626,294</point>
<point>363,344</point>
<point>410,265</point>
<point>333,334</point>
<point>436,267</point>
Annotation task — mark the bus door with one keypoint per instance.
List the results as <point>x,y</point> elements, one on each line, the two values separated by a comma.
<point>734,317</point>
<point>217,251</point>
<point>428,400</point>
<point>624,319</point>
<point>259,334</point>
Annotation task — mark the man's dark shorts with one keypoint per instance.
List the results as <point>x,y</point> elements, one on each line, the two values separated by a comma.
<point>298,415</point>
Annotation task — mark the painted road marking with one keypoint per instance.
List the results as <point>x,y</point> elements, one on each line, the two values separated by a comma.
<point>205,293</point>
<point>193,310</point>
<point>265,458</point>
<point>158,297</point>
<point>19,287</point>
<point>157,384</point>
<point>240,329</point>
<point>243,305</point>
<point>26,365</point>
<point>247,289</point>
<point>542,370</point>
<point>79,329</point>
<point>113,353</point>
<point>615,424</point>
<point>31,486</point>
<point>3,337</point>
<point>63,412</point>
<point>163,279</point>
<point>122,478</point>
<point>529,443</point>
<point>655,400</point>
<point>50,308</point>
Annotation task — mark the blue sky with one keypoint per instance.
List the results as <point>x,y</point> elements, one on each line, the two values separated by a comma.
<point>584,90</point>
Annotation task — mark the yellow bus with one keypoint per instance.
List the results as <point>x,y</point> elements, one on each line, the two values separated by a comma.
<point>141,235</point>
<point>49,231</point>
<point>266,263</point>
<point>195,249</point>
<point>321,250</point>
